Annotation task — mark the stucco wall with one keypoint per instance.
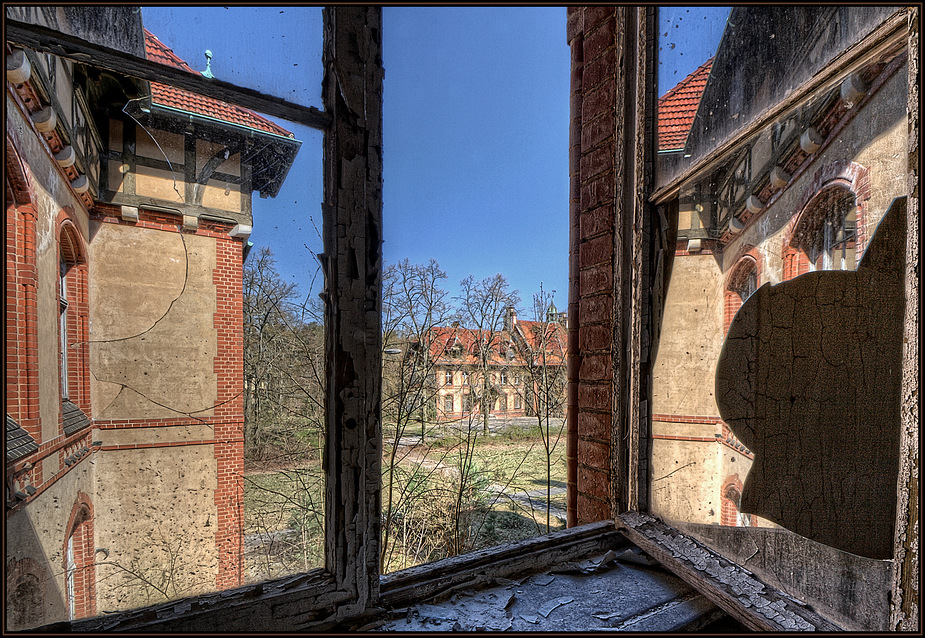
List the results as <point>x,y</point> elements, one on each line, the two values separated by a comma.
<point>37,530</point>
<point>691,338</point>
<point>156,516</point>
<point>152,323</point>
<point>684,485</point>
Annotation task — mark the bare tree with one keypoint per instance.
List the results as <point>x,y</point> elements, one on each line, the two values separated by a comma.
<point>413,304</point>
<point>543,345</point>
<point>284,424</point>
<point>482,308</point>
<point>283,364</point>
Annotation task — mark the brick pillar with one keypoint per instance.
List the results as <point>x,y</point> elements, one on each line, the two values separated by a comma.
<point>610,171</point>
<point>574,27</point>
<point>593,39</point>
<point>229,412</point>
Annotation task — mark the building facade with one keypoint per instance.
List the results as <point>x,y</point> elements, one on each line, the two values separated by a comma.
<point>524,363</point>
<point>128,213</point>
<point>803,195</point>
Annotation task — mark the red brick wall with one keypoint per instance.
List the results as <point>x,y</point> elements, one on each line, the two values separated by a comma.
<point>22,394</point>
<point>592,35</point>
<point>229,411</point>
<point>795,263</point>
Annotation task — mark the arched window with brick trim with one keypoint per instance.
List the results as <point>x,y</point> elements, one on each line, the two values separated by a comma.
<point>79,568</point>
<point>741,284</point>
<point>826,231</point>
<point>729,504</point>
<point>73,316</point>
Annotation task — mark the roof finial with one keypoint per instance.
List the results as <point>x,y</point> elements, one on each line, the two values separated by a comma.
<point>208,72</point>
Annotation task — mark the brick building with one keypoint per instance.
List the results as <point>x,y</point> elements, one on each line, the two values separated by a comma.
<point>128,213</point>
<point>525,364</point>
<point>803,195</point>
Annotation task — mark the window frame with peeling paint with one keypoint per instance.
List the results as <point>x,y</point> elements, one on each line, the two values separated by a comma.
<point>351,587</point>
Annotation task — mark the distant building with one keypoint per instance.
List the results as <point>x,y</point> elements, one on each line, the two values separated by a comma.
<point>128,209</point>
<point>526,367</point>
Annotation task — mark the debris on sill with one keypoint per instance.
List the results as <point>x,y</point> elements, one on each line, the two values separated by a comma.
<point>547,607</point>
<point>636,556</point>
<point>616,591</point>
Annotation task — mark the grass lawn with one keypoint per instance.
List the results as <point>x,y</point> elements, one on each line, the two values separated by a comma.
<point>520,465</point>
<point>293,499</point>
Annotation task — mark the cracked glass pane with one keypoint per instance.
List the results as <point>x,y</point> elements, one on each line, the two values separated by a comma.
<point>775,417</point>
<point>170,440</point>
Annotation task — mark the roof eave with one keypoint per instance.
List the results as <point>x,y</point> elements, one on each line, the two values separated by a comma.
<point>271,187</point>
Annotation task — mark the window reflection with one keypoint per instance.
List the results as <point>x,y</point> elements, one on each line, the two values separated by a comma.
<point>768,204</point>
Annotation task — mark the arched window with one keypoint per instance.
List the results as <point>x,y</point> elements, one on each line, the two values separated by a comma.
<point>827,230</point>
<point>79,569</point>
<point>741,284</point>
<point>73,309</point>
<point>731,498</point>
<point>448,403</point>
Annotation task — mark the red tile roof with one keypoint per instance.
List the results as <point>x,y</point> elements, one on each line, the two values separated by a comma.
<point>677,108</point>
<point>443,339</point>
<point>176,98</point>
<point>551,337</point>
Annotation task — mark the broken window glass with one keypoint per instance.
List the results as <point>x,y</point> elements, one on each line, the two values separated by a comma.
<point>774,423</point>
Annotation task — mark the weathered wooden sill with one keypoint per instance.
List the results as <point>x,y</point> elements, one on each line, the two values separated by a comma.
<point>284,604</point>
<point>310,601</point>
<point>734,589</point>
<point>480,568</point>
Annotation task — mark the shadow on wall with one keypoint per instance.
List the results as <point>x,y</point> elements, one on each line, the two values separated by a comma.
<point>33,596</point>
<point>809,381</point>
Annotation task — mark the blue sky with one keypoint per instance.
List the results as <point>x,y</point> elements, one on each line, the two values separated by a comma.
<point>475,128</point>
<point>687,37</point>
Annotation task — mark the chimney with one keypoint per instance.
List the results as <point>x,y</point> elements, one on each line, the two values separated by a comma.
<point>510,319</point>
